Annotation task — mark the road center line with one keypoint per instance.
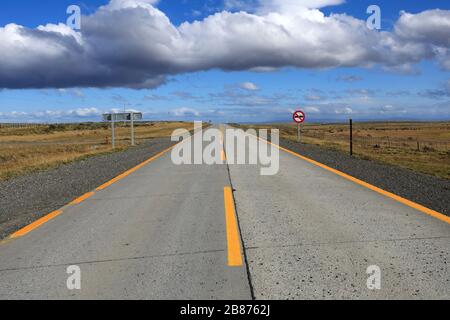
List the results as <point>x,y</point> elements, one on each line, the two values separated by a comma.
<point>222,155</point>
<point>233,240</point>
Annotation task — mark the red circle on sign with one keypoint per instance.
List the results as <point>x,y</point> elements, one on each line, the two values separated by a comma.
<point>299,116</point>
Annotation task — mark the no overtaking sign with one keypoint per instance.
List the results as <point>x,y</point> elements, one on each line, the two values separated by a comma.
<point>299,117</point>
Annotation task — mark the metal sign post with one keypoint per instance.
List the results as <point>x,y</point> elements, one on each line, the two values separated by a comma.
<point>126,116</point>
<point>299,117</point>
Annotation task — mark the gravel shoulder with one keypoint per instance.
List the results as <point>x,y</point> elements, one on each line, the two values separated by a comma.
<point>429,191</point>
<point>27,198</point>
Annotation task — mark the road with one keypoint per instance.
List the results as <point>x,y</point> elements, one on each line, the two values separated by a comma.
<point>171,232</point>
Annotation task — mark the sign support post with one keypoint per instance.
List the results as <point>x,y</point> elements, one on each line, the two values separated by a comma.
<point>299,117</point>
<point>125,116</point>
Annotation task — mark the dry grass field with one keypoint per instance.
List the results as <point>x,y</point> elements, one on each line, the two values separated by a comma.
<point>27,149</point>
<point>423,147</point>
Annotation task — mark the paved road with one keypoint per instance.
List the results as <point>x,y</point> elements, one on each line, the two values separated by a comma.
<point>162,233</point>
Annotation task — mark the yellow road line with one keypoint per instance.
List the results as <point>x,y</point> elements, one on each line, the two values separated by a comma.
<point>233,241</point>
<point>222,155</point>
<point>82,198</point>
<point>35,224</point>
<point>130,171</point>
<point>388,194</point>
<point>56,213</point>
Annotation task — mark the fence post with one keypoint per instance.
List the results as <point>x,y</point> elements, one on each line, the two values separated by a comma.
<point>113,131</point>
<point>132,129</point>
<point>351,137</point>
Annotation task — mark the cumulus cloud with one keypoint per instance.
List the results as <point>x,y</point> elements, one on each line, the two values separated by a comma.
<point>431,29</point>
<point>311,109</point>
<point>130,43</point>
<point>312,97</point>
<point>289,6</point>
<point>346,110</point>
<point>54,114</point>
<point>184,112</point>
<point>431,26</point>
<point>85,112</point>
<point>72,92</point>
<point>250,86</point>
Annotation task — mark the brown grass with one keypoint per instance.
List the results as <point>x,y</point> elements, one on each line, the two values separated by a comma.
<point>23,150</point>
<point>423,147</point>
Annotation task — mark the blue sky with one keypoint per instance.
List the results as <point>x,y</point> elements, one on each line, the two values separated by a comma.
<point>420,90</point>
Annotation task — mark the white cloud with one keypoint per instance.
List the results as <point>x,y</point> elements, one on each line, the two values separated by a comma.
<point>183,112</point>
<point>432,26</point>
<point>387,108</point>
<point>85,112</point>
<point>250,86</point>
<point>53,114</point>
<point>406,69</point>
<point>121,4</point>
<point>346,110</point>
<point>312,109</point>
<point>292,6</point>
<point>349,78</point>
<point>312,97</point>
<point>73,92</point>
<point>130,43</point>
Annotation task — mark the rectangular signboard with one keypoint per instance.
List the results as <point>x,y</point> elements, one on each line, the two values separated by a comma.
<point>125,116</point>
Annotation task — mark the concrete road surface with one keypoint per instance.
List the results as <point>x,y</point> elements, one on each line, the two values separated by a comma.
<point>163,232</point>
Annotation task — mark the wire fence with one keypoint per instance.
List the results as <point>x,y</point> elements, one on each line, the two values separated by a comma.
<point>382,142</point>
<point>22,125</point>
<point>6,125</point>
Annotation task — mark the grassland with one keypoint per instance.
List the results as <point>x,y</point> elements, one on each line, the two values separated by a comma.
<point>27,149</point>
<point>422,147</point>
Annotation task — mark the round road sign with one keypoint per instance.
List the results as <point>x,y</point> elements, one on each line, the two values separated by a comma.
<point>299,116</point>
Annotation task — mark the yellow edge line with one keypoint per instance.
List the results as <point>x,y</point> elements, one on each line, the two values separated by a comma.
<point>82,198</point>
<point>56,213</point>
<point>234,245</point>
<point>35,224</point>
<point>404,201</point>
<point>130,171</point>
